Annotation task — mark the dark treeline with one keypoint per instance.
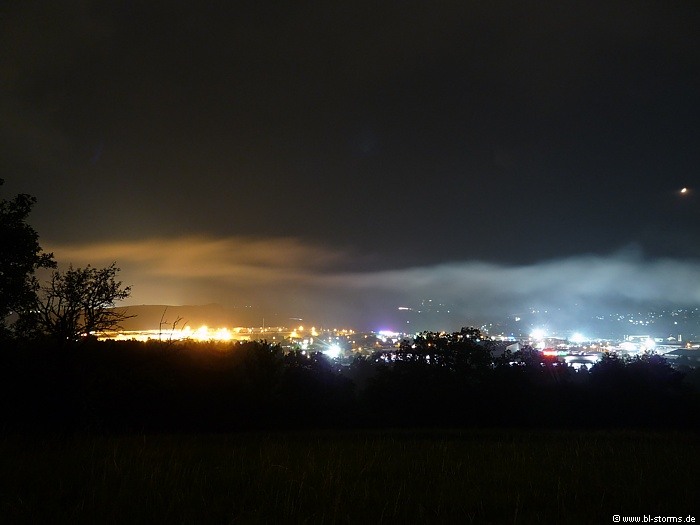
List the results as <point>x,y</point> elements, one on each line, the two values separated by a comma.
<point>438,380</point>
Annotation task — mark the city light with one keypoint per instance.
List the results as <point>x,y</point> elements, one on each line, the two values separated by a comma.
<point>201,334</point>
<point>578,338</point>
<point>337,343</point>
<point>222,334</point>
<point>333,351</point>
<point>538,334</point>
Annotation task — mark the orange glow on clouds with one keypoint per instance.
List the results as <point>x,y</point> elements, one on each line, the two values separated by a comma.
<point>194,269</point>
<point>232,258</point>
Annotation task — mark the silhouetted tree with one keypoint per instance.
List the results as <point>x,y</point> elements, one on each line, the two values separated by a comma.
<point>80,301</point>
<point>465,352</point>
<point>20,257</point>
<point>610,371</point>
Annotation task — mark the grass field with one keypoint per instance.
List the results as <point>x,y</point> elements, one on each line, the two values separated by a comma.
<point>496,476</point>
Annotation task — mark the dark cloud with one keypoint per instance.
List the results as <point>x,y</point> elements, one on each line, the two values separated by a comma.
<point>389,143</point>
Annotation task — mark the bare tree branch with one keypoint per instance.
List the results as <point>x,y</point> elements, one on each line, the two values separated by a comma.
<point>81,301</point>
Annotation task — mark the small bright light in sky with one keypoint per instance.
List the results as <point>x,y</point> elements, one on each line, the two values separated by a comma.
<point>684,190</point>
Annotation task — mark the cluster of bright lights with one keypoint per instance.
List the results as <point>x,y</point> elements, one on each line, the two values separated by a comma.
<point>201,334</point>
<point>538,334</point>
<point>299,331</point>
<point>647,345</point>
<point>333,351</point>
<point>204,333</point>
<point>388,335</point>
<point>306,338</point>
<point>578,338</point>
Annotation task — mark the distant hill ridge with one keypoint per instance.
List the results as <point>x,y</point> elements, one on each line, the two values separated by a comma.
<point>155,316</point>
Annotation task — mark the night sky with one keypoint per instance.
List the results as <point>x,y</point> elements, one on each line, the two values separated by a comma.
<point>338,160</point>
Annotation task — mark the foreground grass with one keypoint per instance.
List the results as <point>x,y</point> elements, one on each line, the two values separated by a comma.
<point>350,477</point>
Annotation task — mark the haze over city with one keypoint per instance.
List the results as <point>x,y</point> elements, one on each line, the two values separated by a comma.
<point>341,162</point>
